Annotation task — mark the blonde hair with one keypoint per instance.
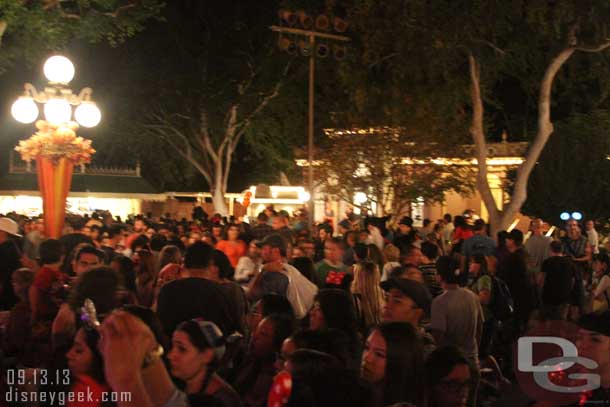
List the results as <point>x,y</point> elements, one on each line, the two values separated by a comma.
<point>391,253</point>
<point>366,283</point>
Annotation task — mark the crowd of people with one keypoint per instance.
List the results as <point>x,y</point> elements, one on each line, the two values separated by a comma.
<point>220,312</point>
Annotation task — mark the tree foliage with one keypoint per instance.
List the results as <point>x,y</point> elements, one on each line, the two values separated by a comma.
<point>495,60</point>
<point>28,29</point>
<point>390,168</point>
<point>571,173</point>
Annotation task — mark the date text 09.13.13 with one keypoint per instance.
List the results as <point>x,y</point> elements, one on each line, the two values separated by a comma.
<point>37,377</point>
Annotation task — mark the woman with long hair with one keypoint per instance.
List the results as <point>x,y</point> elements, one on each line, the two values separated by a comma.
<point>197,349</point>
<point>146,277</point>
<point>368,298</point>
<point>86,368</point>
<point>334,309</point>
<point>170,254</point>
<point>392,362</point>
<point>232,245</point>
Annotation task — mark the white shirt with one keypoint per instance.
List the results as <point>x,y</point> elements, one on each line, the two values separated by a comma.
<point>593,239</point>
<point>246,268</point>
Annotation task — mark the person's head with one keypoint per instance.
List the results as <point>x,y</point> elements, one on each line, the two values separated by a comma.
<point>169,254</point>
<point>139,226</point>
<point>412,255</point>
<point>273,248</point>
<point>278,222</point>
<point>254,252</point>
<point>51,252</point>
<point>536,227</point>
<point>594,342</point>
<point>199,255</point>
<point>344,226</point>
<point>601,264</point>
<point>333,250</point>
<point>333,308</point>
<point>478,265</point>
<point>86,257</point>
<point>22,279</point>
<point>95,233</point>
<point>309,248</point>
<point>124,267</point>
<point>447,218</point>
<point>448,270</point>
<point>324,231</point>
<point>269,335</point>
<point>429,250</point>
<point>267,305</point>
<point>221,265</point>
<point>330,341</point>
<point>142,242</point>
<point>262,218</point>
<point>84,357</point>
<point>408,271</point>
<point>197,348</point>
<point>391,253</point>
<point>99,284</point>
<point>479,227</point>
<point>448,378</point>
<point>392,360</point>
<point>406,301</point>
<point>405,225</point>
<point>590,225</point>
<point>157,242</point>
<point>232,232</point>
<point>350,238</point>
<point>556,248</point>
<point>573,228</point>
<point>514,240</point>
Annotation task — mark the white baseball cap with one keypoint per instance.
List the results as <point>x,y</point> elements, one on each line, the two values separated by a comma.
<point>9,226</point>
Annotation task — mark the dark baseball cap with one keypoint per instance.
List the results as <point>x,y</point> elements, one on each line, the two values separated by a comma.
<point>412,289</point>
<point>406,221</point>
<point>273,240</point>
<point>596,322</point>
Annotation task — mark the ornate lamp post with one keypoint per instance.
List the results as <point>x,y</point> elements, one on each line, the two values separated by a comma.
<point>55,146</point>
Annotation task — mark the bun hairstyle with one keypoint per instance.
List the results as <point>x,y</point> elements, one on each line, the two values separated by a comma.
<point>205,335</point>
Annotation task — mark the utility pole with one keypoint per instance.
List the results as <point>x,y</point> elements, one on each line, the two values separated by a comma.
<point>311,37</point>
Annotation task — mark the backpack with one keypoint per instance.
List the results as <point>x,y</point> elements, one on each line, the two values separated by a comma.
<point>501,304</point>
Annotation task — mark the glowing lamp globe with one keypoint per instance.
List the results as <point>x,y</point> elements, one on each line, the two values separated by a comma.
<point>360,198</point>
<point>88,114</point>
<point>576,215</point>
<point>24,110</point>
<point>564,216</point>
<point>59,69</point>
<point>304,196</point>
<point>57,111</point>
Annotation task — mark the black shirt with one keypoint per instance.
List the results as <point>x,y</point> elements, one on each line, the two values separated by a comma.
<point>10,260</point>
<point>189,298</point>
<point>558,280</point>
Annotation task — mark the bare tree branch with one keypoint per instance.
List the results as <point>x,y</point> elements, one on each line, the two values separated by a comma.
<point>599,48</point>
<point>478,136</point>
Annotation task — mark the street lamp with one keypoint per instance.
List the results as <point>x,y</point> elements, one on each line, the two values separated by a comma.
<point>308,48</point>
<point>56,98</point>
<point>55,146</point>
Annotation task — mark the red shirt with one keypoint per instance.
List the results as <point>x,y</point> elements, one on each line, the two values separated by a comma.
<point>233,250</point>
<point>50,283</point>
<point>86,386</point>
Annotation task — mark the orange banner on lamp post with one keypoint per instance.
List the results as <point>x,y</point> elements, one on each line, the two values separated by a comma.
<point>54,180</point>
<point>56,149</point>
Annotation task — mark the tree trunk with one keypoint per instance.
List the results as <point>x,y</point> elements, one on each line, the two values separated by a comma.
<point>218,195</point>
